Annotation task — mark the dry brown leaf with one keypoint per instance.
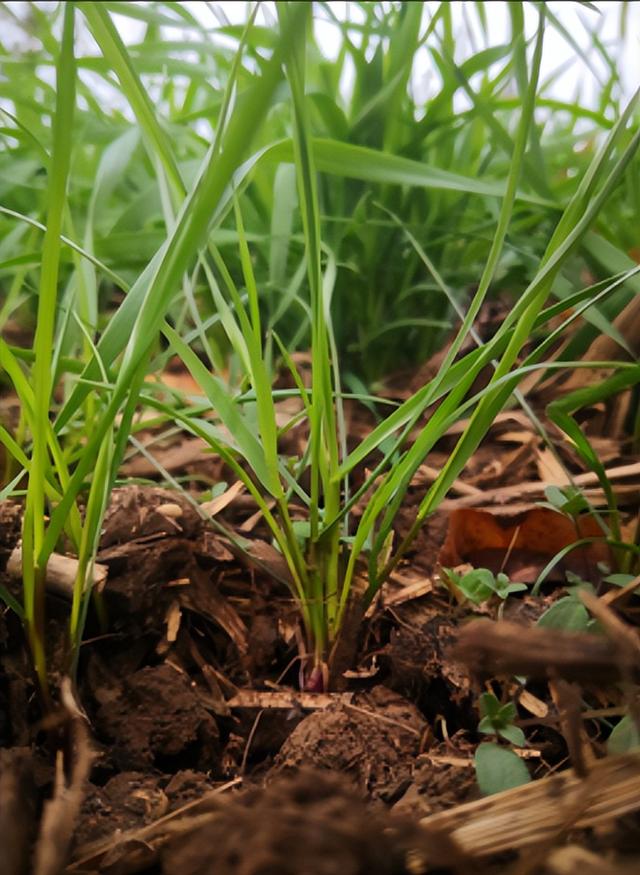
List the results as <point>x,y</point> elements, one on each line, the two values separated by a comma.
<point>485,540</point>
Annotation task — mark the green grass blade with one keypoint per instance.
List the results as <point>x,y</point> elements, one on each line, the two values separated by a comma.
<point>187,238</point>
<point>34,558</point>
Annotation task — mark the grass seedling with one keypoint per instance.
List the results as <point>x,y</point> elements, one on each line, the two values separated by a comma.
<point>324,574</point>
<point>56,477</point>
<point>45,451</point>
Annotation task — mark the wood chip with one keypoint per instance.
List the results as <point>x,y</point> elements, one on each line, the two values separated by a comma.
<point>402,588</point>
<point>541,811</point>
<point>550,470</point>
<point>287,700</point>
<point>170,510</point>
<point>456,762</point>
<point>251,522</point>
<point>494,649</point>
<point>61,572</point>
<point>173,619</point>
<point>533,704</point>
<point>505,494</point>
<point>516,437</point>
<point>426,474</point>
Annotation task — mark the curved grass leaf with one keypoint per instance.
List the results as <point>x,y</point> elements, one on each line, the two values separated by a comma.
<point>164,274</point>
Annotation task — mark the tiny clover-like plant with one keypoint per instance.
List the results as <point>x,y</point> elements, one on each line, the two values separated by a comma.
<point>497,719</point>
<point>480,584</point>
<point>497,767</point>
<point>624,737</point>
<point>569,613</point>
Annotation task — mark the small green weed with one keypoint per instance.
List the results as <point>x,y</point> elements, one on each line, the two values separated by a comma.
<point>498,768</point>
<point>497,719</point>
<point>481,585</point>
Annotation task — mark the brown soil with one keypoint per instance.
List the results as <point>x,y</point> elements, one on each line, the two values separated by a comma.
<point>313,823</point>
<point>154,718</point>
<point>374,740</point>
